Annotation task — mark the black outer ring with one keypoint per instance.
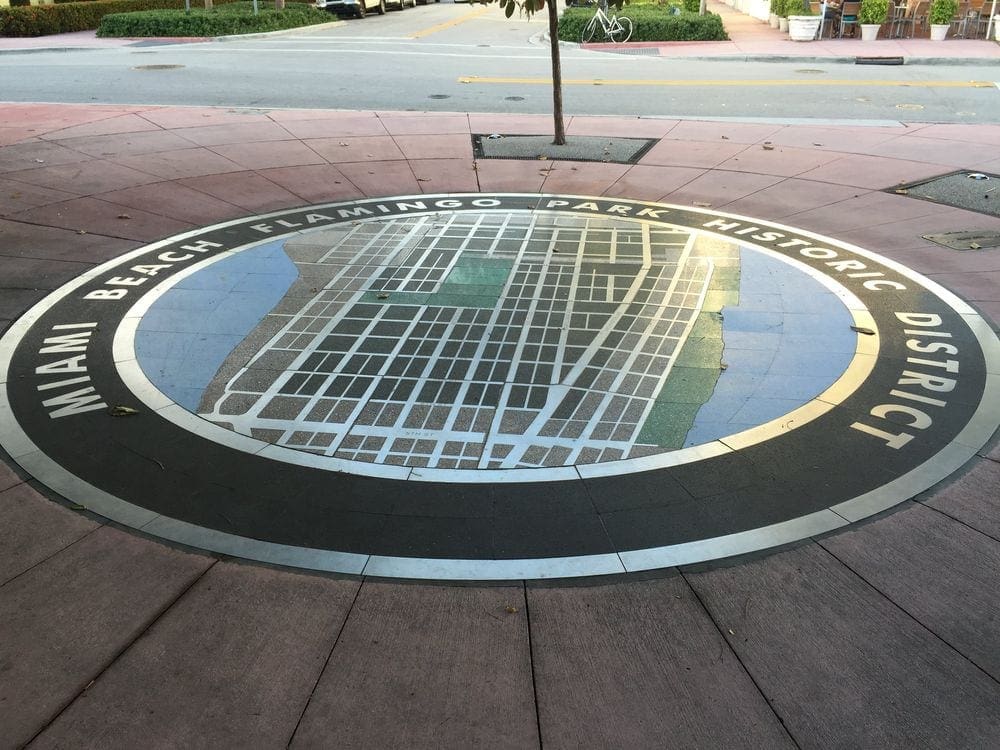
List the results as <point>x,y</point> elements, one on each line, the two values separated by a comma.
<point>154,464</point>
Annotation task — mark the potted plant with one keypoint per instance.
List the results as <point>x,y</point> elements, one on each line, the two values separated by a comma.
<point>773,14</point>
<point>939,17</point>
<point>782,11</point>
<point>804,24</point>
<point>871,16</point>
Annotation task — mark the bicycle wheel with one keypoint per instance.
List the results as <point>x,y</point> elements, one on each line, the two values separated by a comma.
<point>620,30</point>
<point>589,30</point>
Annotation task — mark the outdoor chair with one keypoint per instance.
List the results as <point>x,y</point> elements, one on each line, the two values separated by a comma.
<point>900,20</point>
<point>828,22</point>
<point>960,20</point>
<point>984,23</point>
<point>976,19</point>
<point>848,17</point>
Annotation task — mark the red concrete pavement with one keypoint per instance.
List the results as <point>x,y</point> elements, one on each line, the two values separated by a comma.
<point>884,635</point>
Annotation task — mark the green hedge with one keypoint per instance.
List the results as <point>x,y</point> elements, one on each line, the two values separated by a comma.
<point>237,18</point>
<point>651,23</point>
<point>39,20</point>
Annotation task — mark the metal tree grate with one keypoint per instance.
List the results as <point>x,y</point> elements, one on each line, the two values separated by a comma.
<point>967,189</point>
<point>576,148</point>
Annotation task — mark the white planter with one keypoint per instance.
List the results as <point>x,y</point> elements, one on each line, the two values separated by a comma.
<point>803,28</point>
<point>996,28</point>
<point>783,24</point>
<point>869,31</point>
<point>773,20</point>
<point>939,31</point>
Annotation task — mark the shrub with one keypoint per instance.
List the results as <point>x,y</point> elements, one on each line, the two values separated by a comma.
<point>19,3</point>
<point>691,6</point>
<point>232,19</point>
<point>873,11</point>
<point>942,11</point>
<point>39,20</point>
<point>651,24</point>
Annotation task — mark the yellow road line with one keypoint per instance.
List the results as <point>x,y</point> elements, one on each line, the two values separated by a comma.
<point>448,24</point>
<point>776,82</point>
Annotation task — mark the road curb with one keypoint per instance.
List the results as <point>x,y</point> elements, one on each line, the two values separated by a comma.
<point>280,32</point>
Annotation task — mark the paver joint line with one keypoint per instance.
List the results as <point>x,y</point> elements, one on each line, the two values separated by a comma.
<point>735,655</point>
<point>329,656</point>
<point>111,661</point>
<point>904,611</point>
<point>531,657</point>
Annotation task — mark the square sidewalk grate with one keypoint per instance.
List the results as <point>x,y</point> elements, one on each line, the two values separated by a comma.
<point>979,240</point>
<point>576,148</point>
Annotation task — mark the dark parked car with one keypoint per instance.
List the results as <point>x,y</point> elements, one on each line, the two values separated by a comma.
<point>359,8</point>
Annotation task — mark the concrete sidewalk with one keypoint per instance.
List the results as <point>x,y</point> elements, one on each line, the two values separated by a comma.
<point>884,635</point>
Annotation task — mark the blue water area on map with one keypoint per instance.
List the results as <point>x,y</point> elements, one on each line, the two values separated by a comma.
<point>786,342</point>
<point>188,332</point>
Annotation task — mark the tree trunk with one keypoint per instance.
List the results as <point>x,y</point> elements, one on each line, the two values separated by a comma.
<point>279,4</point>
<point>557,105</point>
<point>208,5</point>
<point>702,7</point>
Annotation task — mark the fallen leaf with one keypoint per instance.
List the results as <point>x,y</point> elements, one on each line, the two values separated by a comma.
<point>768,147</point>
<point>124,216</point>
<point>725,137</point>
<point>865,331</point>
<point>510,609</point>
<point>122,411</point>
<point>542,157</point>
<point>723,366</point>
<point>702,204</point>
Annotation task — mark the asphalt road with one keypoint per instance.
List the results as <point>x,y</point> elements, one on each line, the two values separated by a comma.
<point>460,57</point>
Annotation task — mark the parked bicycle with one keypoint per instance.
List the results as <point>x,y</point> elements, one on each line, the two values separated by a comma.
<point>613,28</point>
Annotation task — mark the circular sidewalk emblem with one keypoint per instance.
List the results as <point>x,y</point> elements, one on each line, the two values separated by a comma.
<point>495,386</point>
